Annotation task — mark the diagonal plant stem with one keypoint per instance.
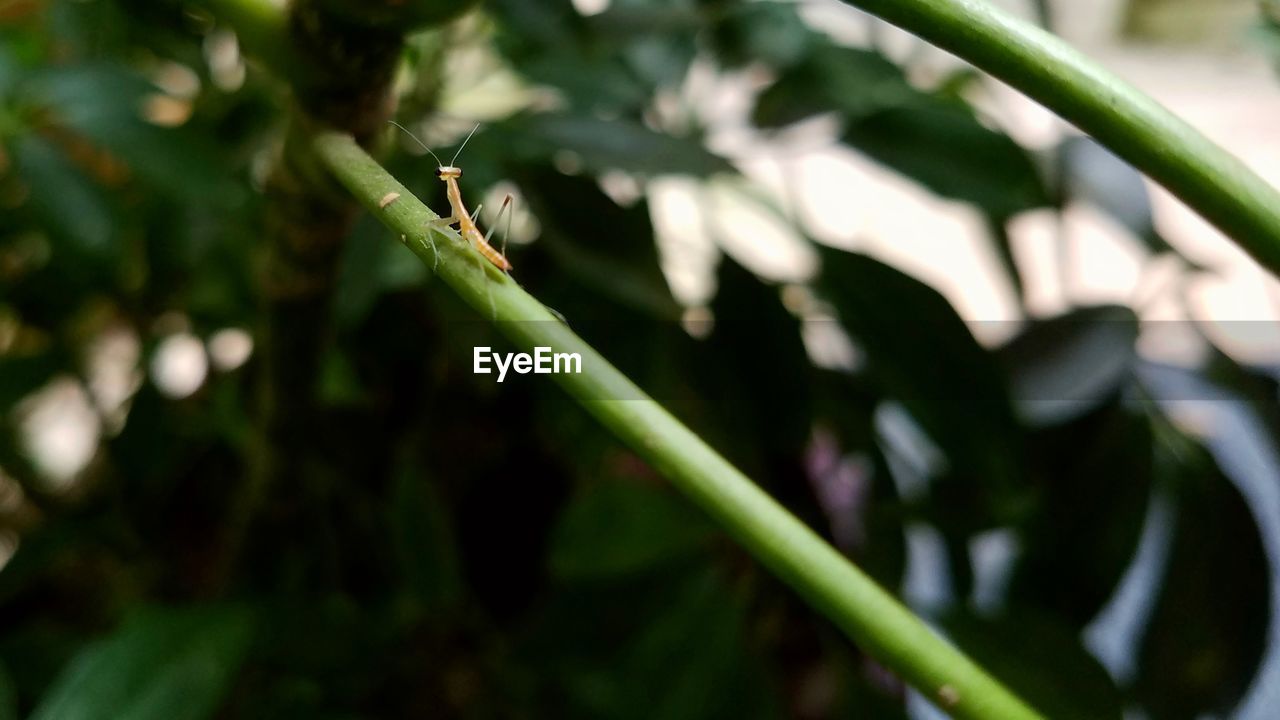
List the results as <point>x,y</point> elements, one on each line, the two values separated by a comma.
<point>866,613</point>
<point>1207,178</point>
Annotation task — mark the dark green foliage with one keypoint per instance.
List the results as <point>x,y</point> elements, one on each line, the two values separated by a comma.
<point>932,138</point>
<point>76,211</point>
<point>936,144</point>
<point>1090,173</point>
<point>455,548</point>
<point>1041,660</point>
<point>1209,625</point>
<point>961,403</point>
<point>1066,366</point>
<point>1091,496</point>
<point>603,145</point>
<point>759,400</point>
<point>161,663</point>
<point>623,265</point>
<point>621,528</point>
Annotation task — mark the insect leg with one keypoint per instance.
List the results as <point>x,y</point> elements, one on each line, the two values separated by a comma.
<point>506,205</point>
<point>444,222</point>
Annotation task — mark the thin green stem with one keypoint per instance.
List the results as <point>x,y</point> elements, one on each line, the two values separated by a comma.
<point>1207,178</point>
<point>869,615</point>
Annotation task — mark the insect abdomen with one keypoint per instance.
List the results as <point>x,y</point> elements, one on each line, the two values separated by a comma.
<point>488,251</point>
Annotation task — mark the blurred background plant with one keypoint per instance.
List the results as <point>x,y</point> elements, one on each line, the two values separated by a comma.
<point>850,263</point>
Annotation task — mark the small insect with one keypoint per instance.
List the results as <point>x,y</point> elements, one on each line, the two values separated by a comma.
<point>459,216</point>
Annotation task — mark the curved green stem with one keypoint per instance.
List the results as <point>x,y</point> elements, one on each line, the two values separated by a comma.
<point>869,615</point>
<point>1207,178</point>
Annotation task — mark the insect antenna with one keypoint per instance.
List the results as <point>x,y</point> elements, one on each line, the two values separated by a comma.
<point>415,139</point>
<point>464,144</point>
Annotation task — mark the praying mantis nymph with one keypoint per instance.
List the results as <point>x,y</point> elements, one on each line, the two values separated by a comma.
<point>459,216</point>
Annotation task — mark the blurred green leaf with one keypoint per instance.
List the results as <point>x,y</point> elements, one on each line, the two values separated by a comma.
<point>1066,366</point>
<point>1041,660</point>
<point>8,695</point>
<point>35,651</point>
<point>771,32</point>
<point>589,84</point>
<point>933,139</point>
<point>656,37</point>
<point>1208,629</point>
<point>771,423</point>
<point>1266,34</point>
<point>11,70</point>
<point>425,542</point>
<point>372,264</point>
<point>538,25</point>
<point>939,144</point>
<point>852,82</point>
<point>1093,479</point>
<point>91,96</point>
<point>338,382</point>
<point>1093,174</point>
<point>1256,386</point>
<point>620,527</point>
<point>611,144</point>
<point>88,27</point>
<point>104,103</point>
<point>628,18</point>
<point>307,645</point>
<point>161,663</point>
<point>674,646</point>
<point>692,662</point>
<point>607,247</point>
<point>922,354</point>
<point>75,210</point>
<point>845,407</point>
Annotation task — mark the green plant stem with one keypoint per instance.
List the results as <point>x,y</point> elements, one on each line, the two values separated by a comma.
<point>869,615</point>
<point>1207,178</point>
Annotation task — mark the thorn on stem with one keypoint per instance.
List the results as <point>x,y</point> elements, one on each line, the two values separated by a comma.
<point>948,696</point>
